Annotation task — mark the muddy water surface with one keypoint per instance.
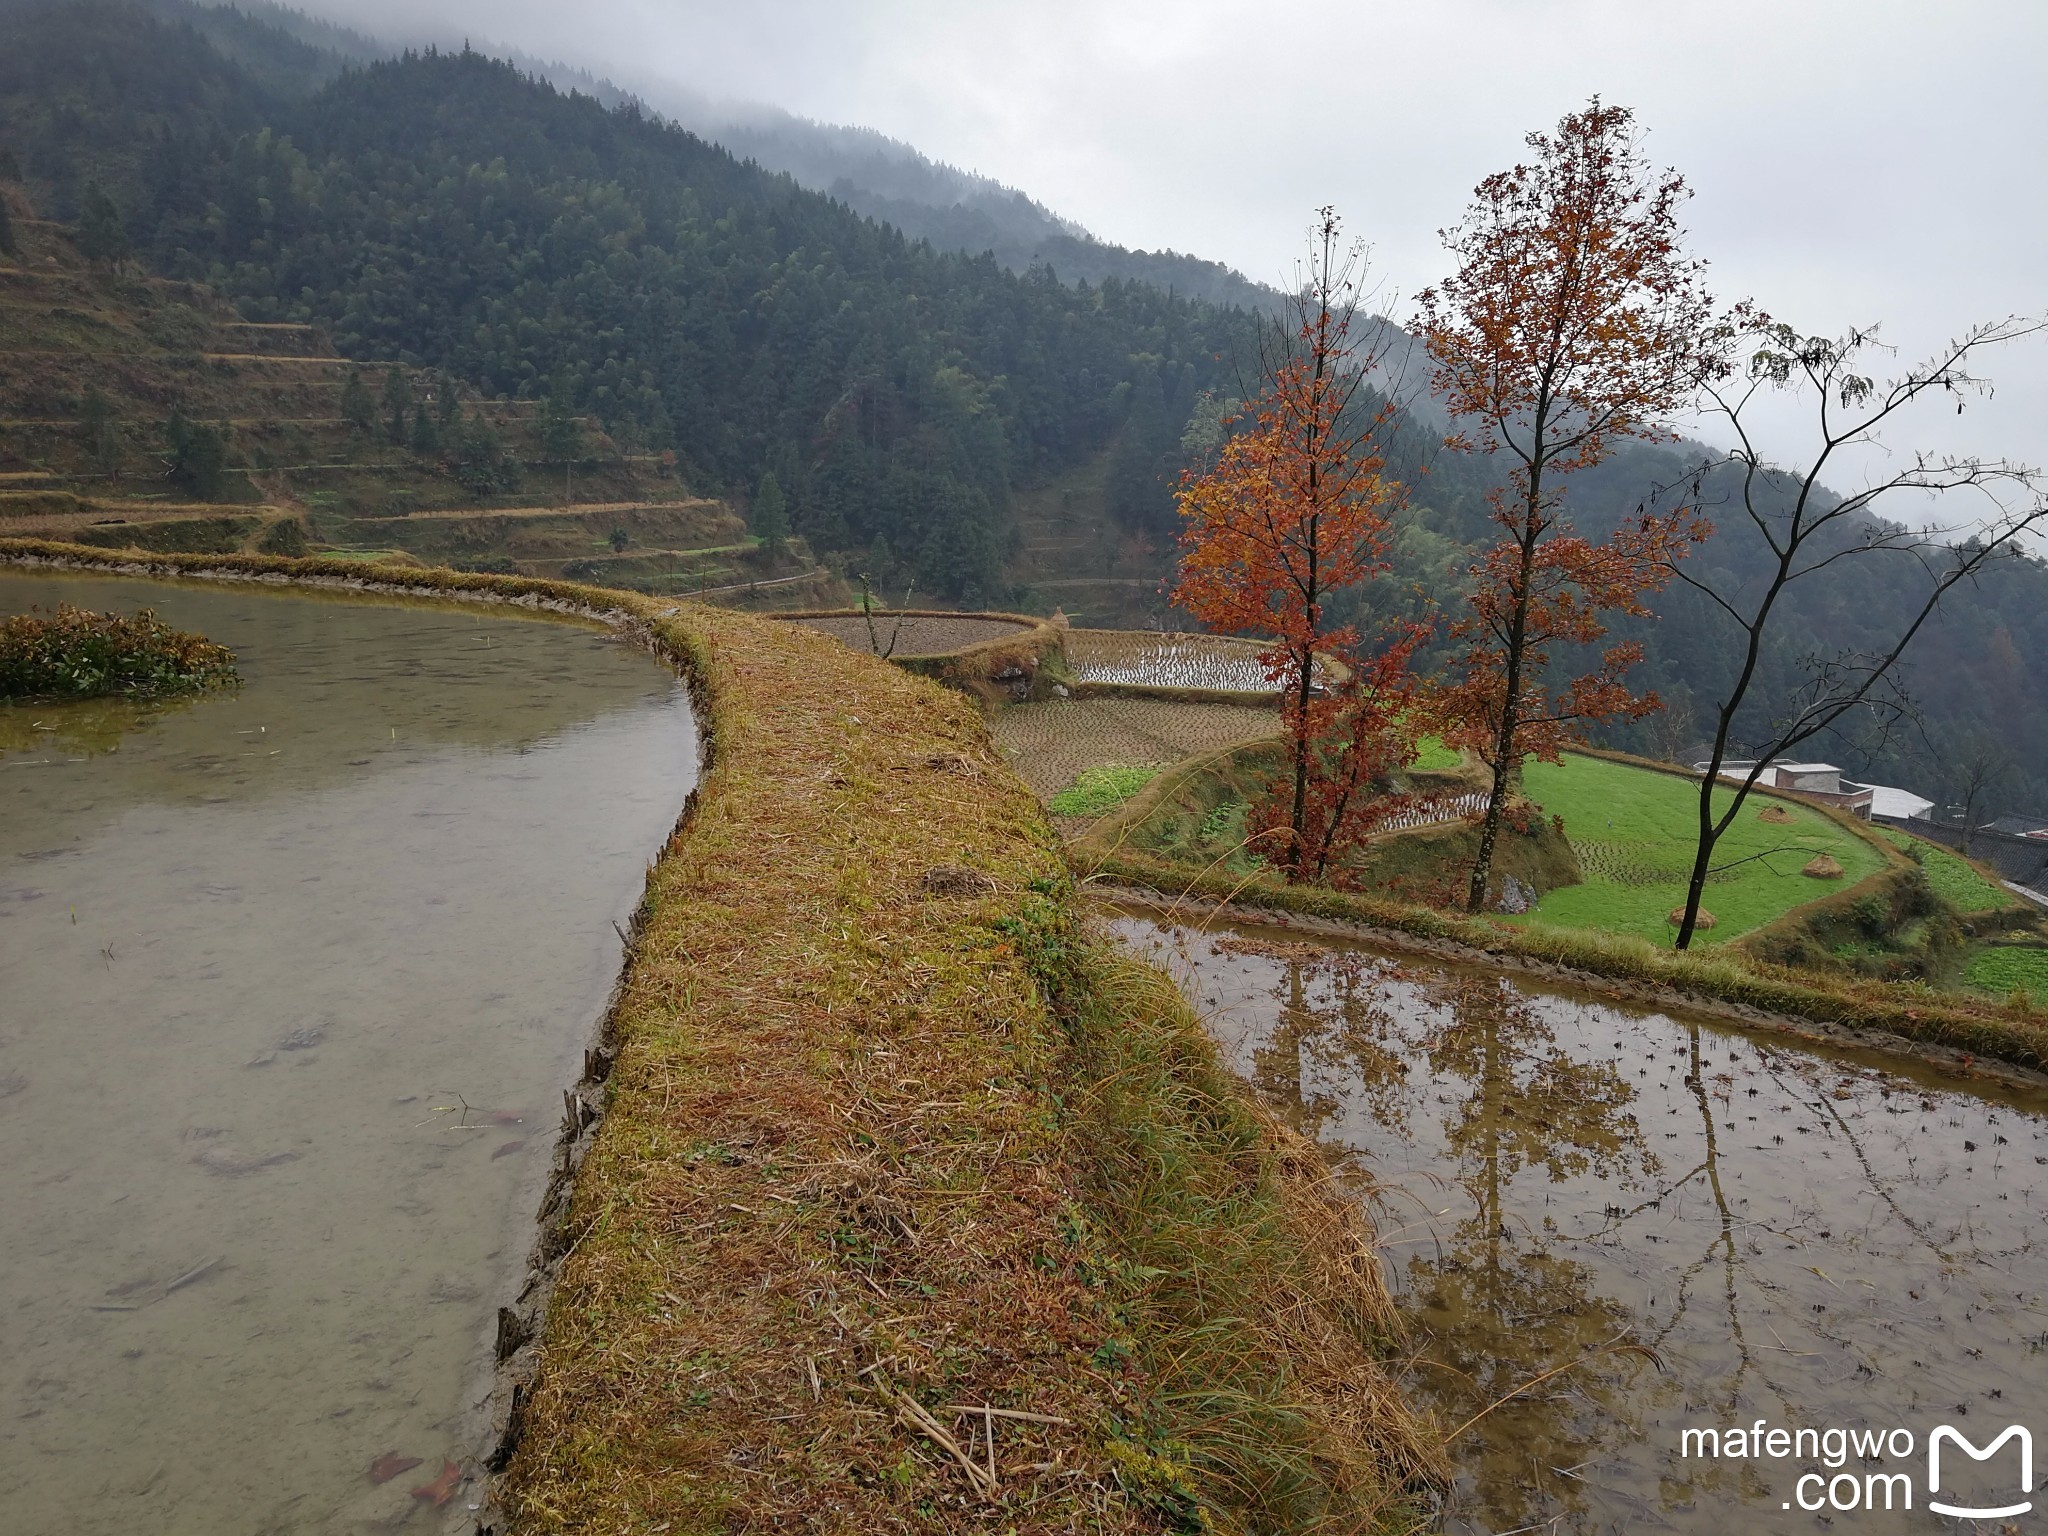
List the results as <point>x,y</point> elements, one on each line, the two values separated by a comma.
<point>1609,1226</point>
<point>293,979</point>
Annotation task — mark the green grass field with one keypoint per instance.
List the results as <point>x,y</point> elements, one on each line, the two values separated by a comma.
<point>2008,969</point>
<point>1634,829</point>
<point>1433,756</point>
<point>1953,877</point>
<point>1100,790</point>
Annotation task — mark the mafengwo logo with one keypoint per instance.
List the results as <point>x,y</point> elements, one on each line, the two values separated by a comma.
<point>1951,1459</point>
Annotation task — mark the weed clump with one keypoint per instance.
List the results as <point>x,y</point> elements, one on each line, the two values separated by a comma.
<point>1101,789</point>
<point>76,653</point>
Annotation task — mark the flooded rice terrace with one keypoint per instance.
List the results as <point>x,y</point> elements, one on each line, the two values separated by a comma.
<point>293,980</point>
<point>1608,1227</point>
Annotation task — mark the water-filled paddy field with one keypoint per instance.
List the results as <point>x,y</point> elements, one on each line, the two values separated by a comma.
<point>1608,1226</point>
<point>294,978</point>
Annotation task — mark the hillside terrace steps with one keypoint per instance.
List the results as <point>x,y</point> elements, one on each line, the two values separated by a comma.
<point>153,346</point>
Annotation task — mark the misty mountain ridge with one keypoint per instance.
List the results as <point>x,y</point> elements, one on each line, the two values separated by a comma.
<point>879,177</point>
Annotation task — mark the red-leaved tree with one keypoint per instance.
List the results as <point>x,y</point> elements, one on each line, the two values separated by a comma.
<point>1573,321</point>
<point>1296,507</point>
<point>1357,733</point>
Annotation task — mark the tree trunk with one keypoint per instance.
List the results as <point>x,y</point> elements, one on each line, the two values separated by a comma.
<point>1696,889</point>
<point>1489,833</point>
<point>1297,857</point>
<point>1510,721</point>
<point>1703,849</point>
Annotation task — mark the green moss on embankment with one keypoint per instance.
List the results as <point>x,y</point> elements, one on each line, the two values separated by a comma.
<point>894,1154</point>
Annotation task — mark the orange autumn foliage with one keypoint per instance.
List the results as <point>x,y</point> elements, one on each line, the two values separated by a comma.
<point>1297,507</point>
<point>1572,322</point>
<point>1358,733</point>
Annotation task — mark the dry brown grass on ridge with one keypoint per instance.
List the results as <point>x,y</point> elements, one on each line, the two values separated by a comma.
<point>835,1171</point>
<point>895,1155</point>
<point>828,1174</point>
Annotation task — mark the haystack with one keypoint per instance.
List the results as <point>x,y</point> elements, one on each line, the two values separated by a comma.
<point>1823,867</point>
<point>1676,918</point>
<point>1777,815</point>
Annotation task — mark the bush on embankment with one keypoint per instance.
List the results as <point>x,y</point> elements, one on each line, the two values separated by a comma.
<point>889,1141</point>
<point>1194,813</point>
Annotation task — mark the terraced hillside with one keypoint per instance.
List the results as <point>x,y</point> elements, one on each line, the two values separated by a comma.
<point>1073,553</point>
<point>140,412</point>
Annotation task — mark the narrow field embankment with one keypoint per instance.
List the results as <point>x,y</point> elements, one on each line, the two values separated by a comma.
<point>1630,968</point>
<point>912,1206</point>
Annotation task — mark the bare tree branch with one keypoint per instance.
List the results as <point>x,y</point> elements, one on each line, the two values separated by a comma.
<point>1802,529</point>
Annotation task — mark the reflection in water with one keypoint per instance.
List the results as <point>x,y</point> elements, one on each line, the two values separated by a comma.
<point>82,728</point>
<point>1607,1226</point>
<point>293,978</point>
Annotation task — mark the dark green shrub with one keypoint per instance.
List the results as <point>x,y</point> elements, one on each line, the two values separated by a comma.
<point>78,654</point>
<point>286,536</point>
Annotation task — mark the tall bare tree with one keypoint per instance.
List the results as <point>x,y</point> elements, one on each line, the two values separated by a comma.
<point>1976,765</point>
<point>1808,532</point>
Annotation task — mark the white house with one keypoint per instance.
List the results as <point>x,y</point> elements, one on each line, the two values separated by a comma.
<point>1817,781</point>
<point>1897,804</point>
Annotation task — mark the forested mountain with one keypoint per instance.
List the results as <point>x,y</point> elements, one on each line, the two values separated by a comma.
<point>884,178</point>
<point>446,210</point>
<point>1973,679</point>
<point>953,209</point>
<point>454,213</point>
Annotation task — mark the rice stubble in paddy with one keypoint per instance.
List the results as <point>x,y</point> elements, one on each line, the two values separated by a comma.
<point>1689,1224</point>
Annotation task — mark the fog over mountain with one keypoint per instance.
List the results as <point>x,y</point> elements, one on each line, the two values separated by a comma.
<point>1852,165</point>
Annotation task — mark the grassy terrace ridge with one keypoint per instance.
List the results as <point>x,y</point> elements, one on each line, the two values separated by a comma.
<point>1743,976</point>
<point>895,1154</point>
<point>1632,822</point>
<point>2011,1032</point>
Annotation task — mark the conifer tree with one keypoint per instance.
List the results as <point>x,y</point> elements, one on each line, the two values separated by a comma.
<point>99,431</point>
<point>198,460</point>
<point>357,408</point>
<point>397,404</point>
<point>426,436</point>
<point>102,233</point>
<point>561,435</point>
<point>8,247</point>
<point>768,518</point>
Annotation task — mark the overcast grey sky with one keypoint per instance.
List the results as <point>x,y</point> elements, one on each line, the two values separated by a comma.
<point>1870,160</point>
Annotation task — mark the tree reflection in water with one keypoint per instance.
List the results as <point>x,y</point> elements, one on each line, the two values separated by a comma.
<point>1497,1303</point>
<point>1605,1226</point>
